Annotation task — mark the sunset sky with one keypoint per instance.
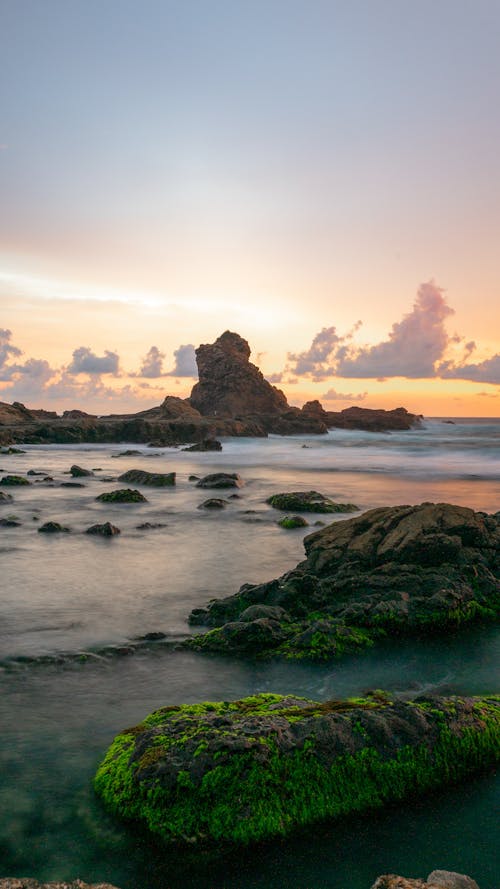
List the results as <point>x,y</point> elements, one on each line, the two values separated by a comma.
<point>321,176</point>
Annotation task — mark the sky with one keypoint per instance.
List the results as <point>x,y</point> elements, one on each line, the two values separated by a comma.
<point>321,176</point>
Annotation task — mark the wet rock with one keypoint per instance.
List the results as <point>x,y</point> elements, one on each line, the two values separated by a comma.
<point>220,480</point>
<point>5,498</point>
<point>373,420</point>
<point>193,478</point>
<point>403,570</point>
<point>52,528</point>
<point>213,503</point>
<point>293,521</point>
<point>34,472</point>
<point>9,522</point>
<point>155,479</point>
<point>78,472</point>
<point>14,480</point>
<point>309,501</point>
<point>208,444</point>
<point>105,530</point>
<point>129,453</point>
<point>124,495</point>
<point>216,767</point>
<point>438,879</point>
<point>148,526</point>
<point>12,450</point>
<point>72,485</point>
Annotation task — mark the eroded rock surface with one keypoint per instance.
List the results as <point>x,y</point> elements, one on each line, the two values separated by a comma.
<point>393,570</point>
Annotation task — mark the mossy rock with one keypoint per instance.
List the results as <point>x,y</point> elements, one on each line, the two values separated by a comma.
<point>293,521</point>
<point>141,477</point>
<point>309,501</point>
<point>124,495</point>
<point>52,528</point>
<point>257,768</point>
<point>14,480</point>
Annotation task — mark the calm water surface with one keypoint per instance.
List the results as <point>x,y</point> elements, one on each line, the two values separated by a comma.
<point>72,593</point>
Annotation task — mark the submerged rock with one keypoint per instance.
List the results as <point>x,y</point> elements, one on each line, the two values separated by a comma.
<point>78,472</point>
<point>293,521</point>
<point>252,769</point>
<point>14,480</point>
<point>105,530</point>
<point>124,495</point>
<point>9,522</point>
<point>213,503</point>
<point>5,498</point>
<point>391,571</point>
<point>309,501</point>
<point>52,528</point>
<point>208,444</point>
<point>72,485</point>
<point>220,480</point>
<point>148,526</point>
<point>141,477</point>
<point>438,879</point>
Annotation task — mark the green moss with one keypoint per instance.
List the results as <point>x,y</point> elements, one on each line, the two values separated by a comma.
<point>293,521</point>
<point>125,495</point>
<point>14,480</point>
<point>309,501</point>
<point>254,789</point>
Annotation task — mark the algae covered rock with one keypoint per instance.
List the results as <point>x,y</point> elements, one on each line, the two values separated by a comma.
<point>124,495</point>
<point>220,480</point>
<point>293,521</point>
<point>251,769</point>
<point>309,501</point>
<point>402,570</point>
<point>141,477</point>
<point>213,503</point>
<point>14,480</point>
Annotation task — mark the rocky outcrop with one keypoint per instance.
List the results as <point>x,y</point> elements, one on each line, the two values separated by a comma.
<point>248,770</point>
<point>154,479</point>
<point>370,420</point>
<point>393,570</point>
<point>309,501</point>
<point>229,384</point>
<point>438,879</point>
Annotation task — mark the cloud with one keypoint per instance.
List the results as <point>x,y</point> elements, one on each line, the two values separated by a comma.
<point>185,362</point>
<point>333,395</point>
<point>487,371</point>
<point>86,362</point>
<point>488,394</point>
<point>413,346</point>
<point>7,351</point>
<point>152,364</point>
<point>317,361</point>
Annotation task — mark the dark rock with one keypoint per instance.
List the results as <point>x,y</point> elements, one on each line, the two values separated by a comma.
<point>213,503</point>
<point>155,479</point>
<point>27,883</point>
<point>124,495</point>
<point>309,501</point>
<point>14,480</point>
<point>34,472</point>
<point>9,522</point>
<point>193,478</point>
<point>220,480</point>
<point>78,472</point>
<point>208,444</point>
<point>12,451</point>
<point>52,528</point>
<point>229,385</point>
<point>129,453</point>
<point>393,570</point>
<point>438,879</point>
<point>105,530</point>
<point>72,485</point>
<point>147,526</point>
<point>218,768</point>
<point>5,498</point>
<point>370,420</point>
<point>293,521</point>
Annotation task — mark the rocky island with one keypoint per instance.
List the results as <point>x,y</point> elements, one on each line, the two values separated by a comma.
<point>231,398</point>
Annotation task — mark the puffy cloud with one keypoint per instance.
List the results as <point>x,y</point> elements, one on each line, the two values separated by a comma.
<point>333,395</point>
<point>413,346</point>
<point>86,362</point>
<point>487,371</point>
<point>317,361</point>
<point>185,362</point>
<point>152,364</point>
<point>7,351</point>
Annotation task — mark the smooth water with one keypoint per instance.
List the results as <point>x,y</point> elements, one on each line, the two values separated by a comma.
<point>71,593</point>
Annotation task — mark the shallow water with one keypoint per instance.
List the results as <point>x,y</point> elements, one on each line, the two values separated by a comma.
<point>71,593</point>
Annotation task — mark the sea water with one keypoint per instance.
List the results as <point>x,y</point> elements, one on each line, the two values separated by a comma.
<point>72,674</point>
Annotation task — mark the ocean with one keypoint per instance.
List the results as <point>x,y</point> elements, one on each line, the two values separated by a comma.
<point>74,670</point>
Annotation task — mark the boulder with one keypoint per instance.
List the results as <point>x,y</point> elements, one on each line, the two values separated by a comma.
<point>9,522</point>
<point>155,479</point>
<point>14,480</point>
<point>220,480</point>
<point>105,530</point>
<point>249,770</point>
<point>78,472</point>
<point>213,503</point>
<point>5,498</point>
<point>229,384</point>
<point>208,444</point>
<point>401,570</point>
<point>293,521</point>
<point>52,528</point>
<point>309,501</point>
<point>124,495</point>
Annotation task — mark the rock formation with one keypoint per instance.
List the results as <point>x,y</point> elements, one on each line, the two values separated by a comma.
<point>438,879</point>
<point>27,883</point>
<point>260,767</point>
<point>393,570</point>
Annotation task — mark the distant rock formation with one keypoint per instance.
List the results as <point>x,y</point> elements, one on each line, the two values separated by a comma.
<point>229,384</point>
